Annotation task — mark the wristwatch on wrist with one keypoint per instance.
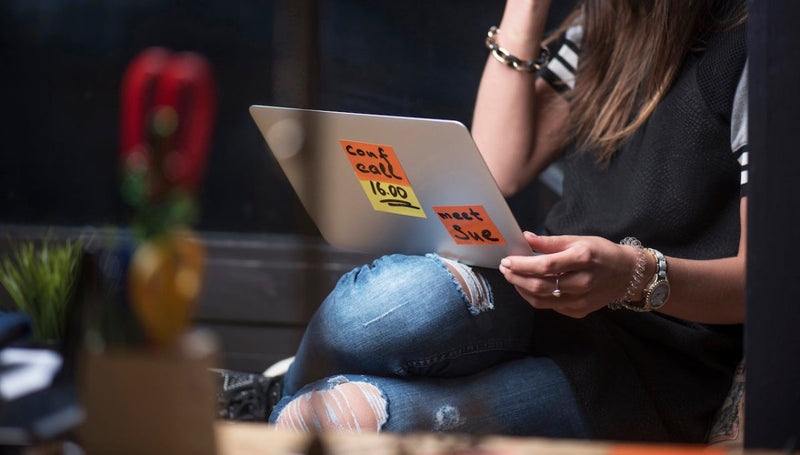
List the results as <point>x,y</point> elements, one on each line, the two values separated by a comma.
<point>656,292</point>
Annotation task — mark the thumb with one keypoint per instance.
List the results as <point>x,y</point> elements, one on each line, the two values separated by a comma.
<point>547,244</point>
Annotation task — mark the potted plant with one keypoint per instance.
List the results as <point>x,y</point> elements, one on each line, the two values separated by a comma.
<point>40,279</point>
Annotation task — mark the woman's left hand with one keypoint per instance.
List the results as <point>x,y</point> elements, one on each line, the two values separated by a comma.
<point>591,273</point>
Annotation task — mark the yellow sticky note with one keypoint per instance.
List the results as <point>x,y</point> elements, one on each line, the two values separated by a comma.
<point>385,183</point>
<point>393,198</point>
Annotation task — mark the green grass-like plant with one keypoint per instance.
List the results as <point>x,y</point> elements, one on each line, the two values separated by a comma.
<point>40,279</point>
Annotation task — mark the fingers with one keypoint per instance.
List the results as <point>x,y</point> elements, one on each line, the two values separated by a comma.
<point>539,286</point>
<point>572,306</point>
<point>550,243</point>
<point>560,254</point>
<point>540,265</point>
<point>571,283</point>
<point>538,291</point>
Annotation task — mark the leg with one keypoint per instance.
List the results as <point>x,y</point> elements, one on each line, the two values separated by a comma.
<point>528,396</point>
<point>409,315</point>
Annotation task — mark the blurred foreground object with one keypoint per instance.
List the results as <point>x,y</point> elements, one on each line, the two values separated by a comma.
<point>35,403</point>
<point>156,398</point>
<point>144,401</point>
<point>164,283</point>
<point>40,280</point>
<point>168,102</point>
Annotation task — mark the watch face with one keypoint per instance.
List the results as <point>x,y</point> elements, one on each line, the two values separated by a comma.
<point>659,294</point>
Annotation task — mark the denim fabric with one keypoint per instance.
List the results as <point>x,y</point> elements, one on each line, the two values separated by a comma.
<point>524,397</point>
<point>404,324</point>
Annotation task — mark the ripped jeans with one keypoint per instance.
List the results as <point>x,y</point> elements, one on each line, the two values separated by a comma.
<point>399,346</point>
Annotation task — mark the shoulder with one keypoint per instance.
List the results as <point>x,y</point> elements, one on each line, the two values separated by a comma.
<point>720,68</point>
<point>560,71</point>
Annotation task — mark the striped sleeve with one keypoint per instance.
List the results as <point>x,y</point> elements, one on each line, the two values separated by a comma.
<point>560,72</point>
<point>739,129</point>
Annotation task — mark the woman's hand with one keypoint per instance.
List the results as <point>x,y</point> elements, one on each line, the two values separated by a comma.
<point>522,26</point>
<point>591,272</point>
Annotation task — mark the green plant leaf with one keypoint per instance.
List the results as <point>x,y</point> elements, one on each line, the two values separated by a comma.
<point>40,281</point>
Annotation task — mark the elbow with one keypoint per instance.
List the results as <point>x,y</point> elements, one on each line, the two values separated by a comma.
<point>505,178</point>
<point>511,176</point>
<point>513,181</point>
<point>508,187</point>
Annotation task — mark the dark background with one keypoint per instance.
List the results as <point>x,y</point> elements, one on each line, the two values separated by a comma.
<point>63,62</point>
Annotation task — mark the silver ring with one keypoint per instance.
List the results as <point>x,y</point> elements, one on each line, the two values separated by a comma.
<point>556,292</point>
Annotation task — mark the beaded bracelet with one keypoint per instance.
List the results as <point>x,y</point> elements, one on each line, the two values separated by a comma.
<point>505,57</point>
<point>638,272</point>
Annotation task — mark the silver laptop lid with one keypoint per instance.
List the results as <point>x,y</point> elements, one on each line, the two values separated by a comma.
<point>382,184</point>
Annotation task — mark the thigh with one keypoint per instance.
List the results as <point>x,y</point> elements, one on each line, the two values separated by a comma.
<point>407,315</point>
<point>528,396</point>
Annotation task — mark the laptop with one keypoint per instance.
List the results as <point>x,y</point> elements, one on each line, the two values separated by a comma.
<point>383,184</point>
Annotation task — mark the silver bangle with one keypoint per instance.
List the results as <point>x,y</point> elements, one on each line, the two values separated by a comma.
<point>638,272</point>
<point>505,57</point>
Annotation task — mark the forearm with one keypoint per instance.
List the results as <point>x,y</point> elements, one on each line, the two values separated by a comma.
<point>506,120</point>
<point>708,291</point>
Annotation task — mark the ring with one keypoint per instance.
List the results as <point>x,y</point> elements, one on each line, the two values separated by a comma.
<point>556,292</point>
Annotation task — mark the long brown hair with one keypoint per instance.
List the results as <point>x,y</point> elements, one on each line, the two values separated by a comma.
<point>631,52</point>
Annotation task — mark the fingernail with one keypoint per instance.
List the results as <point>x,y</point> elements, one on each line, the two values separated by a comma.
<point>529,234</point>
<point>505,262</point>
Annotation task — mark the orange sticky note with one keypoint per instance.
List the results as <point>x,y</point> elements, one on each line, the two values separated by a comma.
<point>656,449</point>
<point>374,162</point>
<point>382,178</point>
<point>469,224</point>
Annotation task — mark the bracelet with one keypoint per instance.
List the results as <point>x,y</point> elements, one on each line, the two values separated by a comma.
<point>638,272</point>
<point>503,56</point>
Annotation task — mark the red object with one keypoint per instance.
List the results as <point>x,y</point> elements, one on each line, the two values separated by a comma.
<point>158,79</point>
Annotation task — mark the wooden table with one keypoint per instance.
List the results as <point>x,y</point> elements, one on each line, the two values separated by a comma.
<point>252,439</point>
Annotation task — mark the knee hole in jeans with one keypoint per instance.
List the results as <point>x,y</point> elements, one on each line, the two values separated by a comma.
<point>346,406</point>
<point>474,286</point>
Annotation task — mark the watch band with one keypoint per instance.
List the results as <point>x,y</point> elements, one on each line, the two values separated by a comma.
<point>661,263</point>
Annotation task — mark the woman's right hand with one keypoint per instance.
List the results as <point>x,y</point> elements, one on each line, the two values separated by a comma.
<point>523,25</point>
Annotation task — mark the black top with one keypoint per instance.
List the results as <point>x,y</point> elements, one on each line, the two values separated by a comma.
<point>675,186</point>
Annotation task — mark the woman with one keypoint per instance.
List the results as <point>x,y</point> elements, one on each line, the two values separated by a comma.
<point>636,340</point>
